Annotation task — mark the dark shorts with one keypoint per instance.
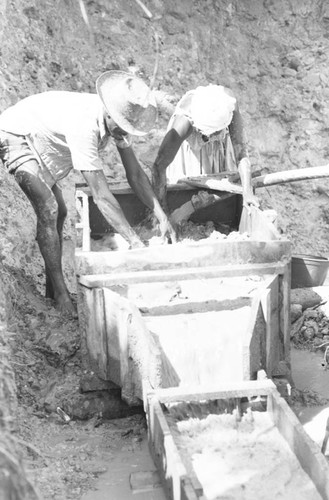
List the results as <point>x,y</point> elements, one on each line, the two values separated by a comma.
<point>14,151</point>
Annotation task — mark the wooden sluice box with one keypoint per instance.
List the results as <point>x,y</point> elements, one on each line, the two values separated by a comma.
<point>187,314</point>
<point>233,441</point>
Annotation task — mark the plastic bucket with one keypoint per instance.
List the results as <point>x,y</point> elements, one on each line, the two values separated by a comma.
<point>308,270</point>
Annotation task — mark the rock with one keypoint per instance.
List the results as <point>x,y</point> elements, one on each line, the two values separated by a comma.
<point>296,311</point>
<point>311,314</point>
<point>296,326</point>
<point>110,406</point>
<point>90,382</point>
<point>310,329</point>
<point>318,341</point>
<point>306,297</point>
<point>287,72</point>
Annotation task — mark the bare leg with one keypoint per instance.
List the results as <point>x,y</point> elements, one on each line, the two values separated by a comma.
<point>46,208</point>
<point>62,213</point>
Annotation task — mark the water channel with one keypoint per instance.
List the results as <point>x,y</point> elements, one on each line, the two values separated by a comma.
<point>309,374</point>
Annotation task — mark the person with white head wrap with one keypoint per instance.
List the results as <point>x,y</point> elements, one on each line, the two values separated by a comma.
<point>205,135</point>
<point>211,109</point>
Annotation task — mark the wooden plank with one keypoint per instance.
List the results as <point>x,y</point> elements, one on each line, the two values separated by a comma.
<point>184,255</point>
<point>107,279</point>
<point>231,292</point>
<point>285,311</point>
<point>308,453</point>
<point>252,351</point>
<point>83,314</point>
<point>96,336</point>
<point>160,293</point>
<point>215,184</point>
<point>133,351</point>
<point>246,388</point>
<point>189,307</point>
<point>231,176</point>
<point>164,451</point>
<point>300,174</point>
<point>116,316</point>
<point>203,346</point>
<point>270,306</point>
<point>187,491</point>
<point>119,187</point>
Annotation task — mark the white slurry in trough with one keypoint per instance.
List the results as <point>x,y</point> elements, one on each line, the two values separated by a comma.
<point>243,459</point>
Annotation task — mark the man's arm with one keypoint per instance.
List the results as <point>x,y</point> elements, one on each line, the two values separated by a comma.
<point>141,185</point>
<point>171,143</point>
<point>109,206</point>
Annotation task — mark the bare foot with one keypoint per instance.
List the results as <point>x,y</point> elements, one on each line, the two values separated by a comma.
<point>66,306</point>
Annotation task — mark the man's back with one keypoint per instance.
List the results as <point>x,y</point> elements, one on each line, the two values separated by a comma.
<point>51,112</point>
<point>65,129</point>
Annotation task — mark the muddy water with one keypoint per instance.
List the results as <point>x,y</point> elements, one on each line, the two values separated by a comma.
<point>114,484</point>
<point>308,373</point>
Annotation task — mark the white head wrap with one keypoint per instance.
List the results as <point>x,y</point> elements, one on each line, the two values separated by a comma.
<point>211,109</point>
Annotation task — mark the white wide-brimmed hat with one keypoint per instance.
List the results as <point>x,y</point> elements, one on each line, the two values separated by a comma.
<point>128,101</point>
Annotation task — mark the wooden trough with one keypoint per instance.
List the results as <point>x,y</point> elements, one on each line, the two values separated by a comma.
<point>184,314</point>
<point>176,468</point>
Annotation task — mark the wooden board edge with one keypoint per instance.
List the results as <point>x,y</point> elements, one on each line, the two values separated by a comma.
<point>305,449</point>
<point>133,277</point>
<point>164,451</point>
<point>202,393</point>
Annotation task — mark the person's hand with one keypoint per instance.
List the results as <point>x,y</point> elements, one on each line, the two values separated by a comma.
<point>249,199</point>
<point>136,243</point>
<point>166,228</point>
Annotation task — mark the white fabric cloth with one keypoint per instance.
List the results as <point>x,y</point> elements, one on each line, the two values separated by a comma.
<point>211,109</point>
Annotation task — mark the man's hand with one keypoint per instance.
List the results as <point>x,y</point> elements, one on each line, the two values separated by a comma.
<point>166,228</point>
<point>136,243</point>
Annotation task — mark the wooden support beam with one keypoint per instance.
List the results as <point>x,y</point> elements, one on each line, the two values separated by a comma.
<point>308,453</point>
<point>184,256</point>
<point>101,280</point>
